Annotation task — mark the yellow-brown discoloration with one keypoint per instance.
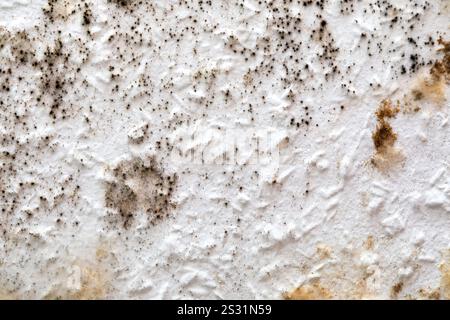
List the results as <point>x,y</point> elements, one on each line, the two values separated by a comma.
<point>323,251</point>
<point>347,280</point>
<point>247,79</point>
<point>443,291</point>
<point>428,88</point>
<point>7,296</point>
<point>445,277</point>
<point>432,87</point>
<point>86,282</point>
<point>429,294</point>
<point>87,279</point>
<point>343,280</point>
<point>369,243</point>
<point>314,291</point>
<point>93,285</point>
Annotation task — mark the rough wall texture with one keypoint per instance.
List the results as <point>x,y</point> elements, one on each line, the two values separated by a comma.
<point>224,149</point>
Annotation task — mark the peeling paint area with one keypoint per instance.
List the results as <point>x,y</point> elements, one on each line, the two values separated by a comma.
<point>224,150</point>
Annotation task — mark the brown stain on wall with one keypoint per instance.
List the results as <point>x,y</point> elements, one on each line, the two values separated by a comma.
<point>338,282</point>
<point>429,89</point>
<point>59,9</point>
<point>443,291</point>
<point>445,277</point>
<point>442,68</point>
<point>396,289</point>
<point>369,243</point>
<point>358,288</point>
<point>317,291</point>
<point>429,294</point>
<point>384,136</point>
<point>93,285</point>
<point>323,251</point>
<point>314,291</point>
<point>94,280</point>
<point>432,86</point>
<point>81,279</point>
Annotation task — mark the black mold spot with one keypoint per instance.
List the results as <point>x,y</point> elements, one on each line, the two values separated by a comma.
<point>140,186</point>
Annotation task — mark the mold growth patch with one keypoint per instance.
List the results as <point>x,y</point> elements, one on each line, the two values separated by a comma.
<point>122,3</point>
<point>126,4</point>
<point>19,43</point>
<point>442,68</point>
<point>140,186</point>
<point>396,290</point>
<point>384,136</point>
<point>58,9</point>
<point>432,87</point>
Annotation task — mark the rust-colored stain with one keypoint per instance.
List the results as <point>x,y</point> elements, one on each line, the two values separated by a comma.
<point>313,291</point>
<point>396,289</point>
<point>386,110</point>
<point>384,136</point>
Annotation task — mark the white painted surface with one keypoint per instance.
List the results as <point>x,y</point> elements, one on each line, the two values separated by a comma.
<point>260,206</point>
